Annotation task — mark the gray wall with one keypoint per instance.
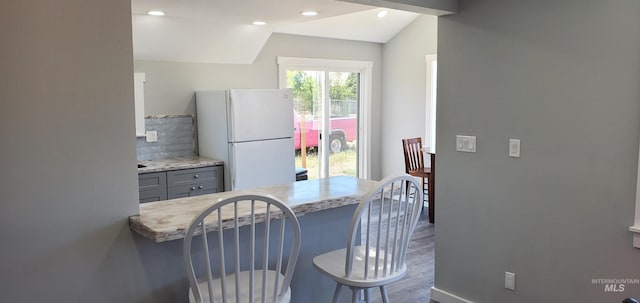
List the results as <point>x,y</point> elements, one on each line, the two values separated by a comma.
<point>404,89</point>
<point>564,77</point>
<point>170,86</point>
<point>68,153</point>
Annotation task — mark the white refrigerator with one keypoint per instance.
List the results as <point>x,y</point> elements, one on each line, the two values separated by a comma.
<point>251,130</point>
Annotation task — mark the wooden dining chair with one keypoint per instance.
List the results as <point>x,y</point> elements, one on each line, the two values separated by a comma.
<point>242,259</point>
<point>414,165</point>
<point>379,234</point>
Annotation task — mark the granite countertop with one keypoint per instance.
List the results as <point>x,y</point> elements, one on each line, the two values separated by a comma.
<point>176,163</point>
<point>168,220</point>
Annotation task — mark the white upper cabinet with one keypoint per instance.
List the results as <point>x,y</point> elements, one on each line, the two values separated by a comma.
<point>138,89</point>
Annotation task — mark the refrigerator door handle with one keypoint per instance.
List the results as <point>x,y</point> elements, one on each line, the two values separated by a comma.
<point>232,165</point>
<point>231,137</point>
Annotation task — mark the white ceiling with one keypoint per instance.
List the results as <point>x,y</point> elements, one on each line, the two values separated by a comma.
<point>220,31</point>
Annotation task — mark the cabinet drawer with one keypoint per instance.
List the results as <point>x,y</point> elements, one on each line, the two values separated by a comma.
<point>193,176</point>
<point>152,181</point>
<point>192,190</point>
<point>153,195</point>
<point>191,182</point>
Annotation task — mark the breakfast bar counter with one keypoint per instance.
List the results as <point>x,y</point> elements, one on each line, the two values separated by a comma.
<point>324,208</point>
<point>168,220</point>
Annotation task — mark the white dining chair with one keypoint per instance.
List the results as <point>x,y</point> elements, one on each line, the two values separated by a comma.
<point>384,220</point>
<point>247,271</point>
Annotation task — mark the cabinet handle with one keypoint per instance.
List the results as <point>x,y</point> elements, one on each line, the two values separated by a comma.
<point>200,187</point>
<point>196,176</point>
<point>193,188</point>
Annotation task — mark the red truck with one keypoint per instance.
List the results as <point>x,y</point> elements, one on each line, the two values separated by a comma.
<point>343,130</point>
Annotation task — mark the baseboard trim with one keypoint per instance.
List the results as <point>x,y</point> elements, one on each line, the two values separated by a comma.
<point>442,296</point>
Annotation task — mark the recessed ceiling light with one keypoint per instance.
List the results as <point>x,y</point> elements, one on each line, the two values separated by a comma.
<point>156,13</point>
<point>259,23</point>
<point>309,13</point>
<point>382,14</point>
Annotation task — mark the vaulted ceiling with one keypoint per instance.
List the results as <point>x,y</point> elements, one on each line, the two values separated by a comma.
<point>221,31</point>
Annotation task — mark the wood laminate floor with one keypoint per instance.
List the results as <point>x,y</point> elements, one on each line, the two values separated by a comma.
<point>415,286</point>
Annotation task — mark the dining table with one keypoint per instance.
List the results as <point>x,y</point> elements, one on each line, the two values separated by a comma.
<point>430,153</point>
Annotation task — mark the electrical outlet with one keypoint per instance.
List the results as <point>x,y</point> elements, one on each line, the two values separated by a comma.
<point>152,136</point>
<point>509,280</point>
<point>514,148</point>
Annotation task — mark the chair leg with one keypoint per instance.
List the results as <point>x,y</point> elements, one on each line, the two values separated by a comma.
<point>423,191</point>
<point>383,293</point>
<point>336,293</point>
<point>367,295</point>
<point>354,295</point>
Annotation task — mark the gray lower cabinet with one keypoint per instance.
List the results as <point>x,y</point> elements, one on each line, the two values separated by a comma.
<point>152,187</point>
<point>194,182</point>
<point>180,183</point>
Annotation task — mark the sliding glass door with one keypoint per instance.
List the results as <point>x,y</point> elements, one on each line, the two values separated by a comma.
<point>332,114</point>
<point>326,109</point>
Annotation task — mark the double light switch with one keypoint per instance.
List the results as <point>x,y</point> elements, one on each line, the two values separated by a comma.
<point>466,144</point>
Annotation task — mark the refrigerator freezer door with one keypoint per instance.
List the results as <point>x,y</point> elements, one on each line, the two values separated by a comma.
<point>259,114</point>
<point>261,163</point>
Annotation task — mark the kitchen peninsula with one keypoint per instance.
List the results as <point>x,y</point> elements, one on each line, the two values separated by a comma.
<point>324,208</point>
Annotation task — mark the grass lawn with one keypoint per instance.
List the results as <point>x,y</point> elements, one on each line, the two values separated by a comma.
<point>342,163</point>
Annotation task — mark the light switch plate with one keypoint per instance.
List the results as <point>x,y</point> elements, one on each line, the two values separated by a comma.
<point>466,144</point>
<point>152,136</point>
<point>514,148</point>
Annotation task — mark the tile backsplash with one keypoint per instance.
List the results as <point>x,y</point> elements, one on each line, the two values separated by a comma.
<point>176,137</point>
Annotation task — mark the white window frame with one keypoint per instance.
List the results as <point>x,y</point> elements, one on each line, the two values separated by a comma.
<point>431,101</point>
<point>364,122</point>
<point>636,223</point>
